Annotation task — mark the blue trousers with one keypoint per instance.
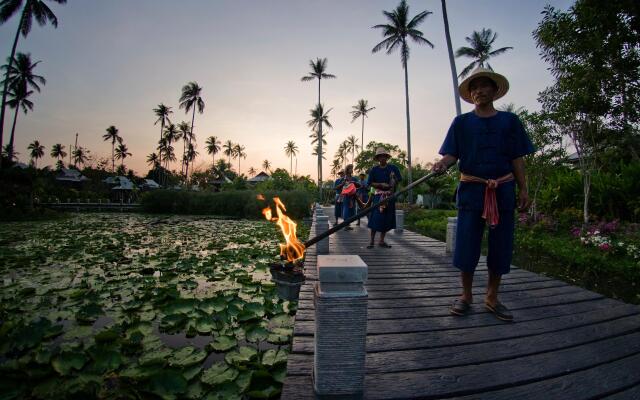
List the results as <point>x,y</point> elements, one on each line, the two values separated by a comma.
<point>469,239</point>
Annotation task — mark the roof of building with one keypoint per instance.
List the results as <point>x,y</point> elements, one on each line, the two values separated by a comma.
<point>70,175</point>
<point>261,177</point>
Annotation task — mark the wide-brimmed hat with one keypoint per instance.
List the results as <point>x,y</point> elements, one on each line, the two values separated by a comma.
<point>381,151</point>
<point>501,82</point>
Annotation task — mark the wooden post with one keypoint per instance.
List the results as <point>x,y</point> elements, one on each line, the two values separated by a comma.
<point>340,327</point>
<point>452,227</point>
<point>322,225</point>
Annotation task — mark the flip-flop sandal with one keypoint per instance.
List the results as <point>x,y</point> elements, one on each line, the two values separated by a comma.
<point>500,311</point>
<point>386,246</point>
<point>370,246</point>
<point>459,307</point>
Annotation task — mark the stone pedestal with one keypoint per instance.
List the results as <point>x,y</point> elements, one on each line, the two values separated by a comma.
<point>452,227</point>
<point>322,225</point>
<point>399,221</point>
<point>341,327</point>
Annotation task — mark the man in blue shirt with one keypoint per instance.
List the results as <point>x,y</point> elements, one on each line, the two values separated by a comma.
<point>489,146</point>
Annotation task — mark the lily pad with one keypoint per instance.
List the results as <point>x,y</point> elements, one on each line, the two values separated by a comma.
<point>223,343</point>
<point>219,373</point>
<point>273,357</point>
<point>67,361</point>
<point>243,355</point>
<point>167,383</point>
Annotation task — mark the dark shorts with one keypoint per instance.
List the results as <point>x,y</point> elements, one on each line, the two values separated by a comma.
<point>469,239</point>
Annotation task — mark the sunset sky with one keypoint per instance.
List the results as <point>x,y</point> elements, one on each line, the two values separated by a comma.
<point>111,62</point>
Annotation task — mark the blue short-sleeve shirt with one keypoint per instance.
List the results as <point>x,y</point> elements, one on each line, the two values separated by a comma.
<point>379,174</point>
<point>485,147</point>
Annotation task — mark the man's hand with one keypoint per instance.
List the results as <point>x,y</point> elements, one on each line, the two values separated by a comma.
<point>444,163</point>
<point>523,201</point>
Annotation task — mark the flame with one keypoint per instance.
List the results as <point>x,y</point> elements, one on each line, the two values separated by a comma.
<point>293,249</point>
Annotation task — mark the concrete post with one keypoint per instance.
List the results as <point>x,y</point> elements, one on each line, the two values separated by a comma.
<point>452,227</point>
<point>399,221</point>
<point>322,225</point>
<point>341,327</point>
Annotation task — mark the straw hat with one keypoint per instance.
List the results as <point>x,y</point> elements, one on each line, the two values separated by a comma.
<point>500,81</point>
<point>380,151</point>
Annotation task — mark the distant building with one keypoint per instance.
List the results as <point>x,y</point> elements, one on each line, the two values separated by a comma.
<point>149,184</point>
<point>69,175</point>
<point>123,190</point>
<point>261,177</point>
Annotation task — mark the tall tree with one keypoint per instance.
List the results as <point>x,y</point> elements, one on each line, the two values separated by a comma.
<point>190,100</point>
<point>79,156</point>
<point>190,157</point>
<point>112,135</point>
<point>351,145</point>
<point>22,78</point>
<point>397,31</point>
<point>239,152</point>
<point>36,151</point>
<point>228,150</point>
<point>480,50</point>
<point>162,112</point>
<point>33,9</point>
<point>57,152</point>
<point>122,152</point>
<point>318,71</point>
<point>319,117</point>
<point>153,160</point>
<point>185,134</point>
<point>361,110</point>
<point>213,147</point>
<point>452,61</point>
<point>251,171</point>
<point>18,98</point>
<point>291,150</point>
<point>266,164</point>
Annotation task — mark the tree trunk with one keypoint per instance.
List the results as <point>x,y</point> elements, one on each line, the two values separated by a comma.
<point>160,175</point>
<point>193,118</point>
<point>406,92</point>
<point>319,146</point>
<point>11,151</point>
<point>586,183</point>
<point>362,136</point>
<point>291,164</point>
<point>113,159</point>
<point>6,80</point>
<point>452,63</point>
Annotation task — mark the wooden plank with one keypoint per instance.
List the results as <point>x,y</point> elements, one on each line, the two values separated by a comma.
<point>470,379</point>
<point>591,383</point>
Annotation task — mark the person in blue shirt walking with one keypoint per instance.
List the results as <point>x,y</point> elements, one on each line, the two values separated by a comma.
<point>384,178</point>
<point>337,186</point>
<point>489,147</point>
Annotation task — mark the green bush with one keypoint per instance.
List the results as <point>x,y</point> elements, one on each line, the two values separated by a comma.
<point>238,203</point>
<point>431,223</point>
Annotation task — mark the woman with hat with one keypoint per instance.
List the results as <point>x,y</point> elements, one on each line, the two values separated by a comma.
<point>489,146</point>
<point>383,178</point>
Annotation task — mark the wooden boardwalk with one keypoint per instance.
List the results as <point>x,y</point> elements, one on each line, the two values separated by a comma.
<point>565,342</point>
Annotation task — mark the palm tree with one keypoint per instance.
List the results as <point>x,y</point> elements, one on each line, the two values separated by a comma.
<point>79,156</point>
<point>32,9</point>
<point>21,79</point>
<point>191,99</point>
<point>162,112</point>
<point>266,164</point>
<point>122,152</point>
<point>112,134</point>
<point>480,50</point>
<point>167,151</point>
<point>37,151</point>
<point>153,160</point>
<point>452,62</point>
<point>251,171</point>
<point>57,151</point>
<point>213,147</point>
<point>396,33</point>
<point>340,155</point>
<point>18,98</point>
<point>190,156</point>
<point>291,150</point>
<point>238,152</point>
<point>361,110</point>
<point>185,134</point>
<point>351,145</point>
<point>335,167</point>
<point>228,150</point>
<point>318,68</point>
<point>317,150</point>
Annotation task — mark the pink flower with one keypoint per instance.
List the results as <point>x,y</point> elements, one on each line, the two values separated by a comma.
<point>605,246</point>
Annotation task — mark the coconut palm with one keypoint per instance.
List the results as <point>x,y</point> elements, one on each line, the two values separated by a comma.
<point>190,156</point>
<point>266,164</point>
<point>336,166</point>
<point>191,99</point>
<point>319,117</point>
<point>167,150</point>
<point>452,61</point>
<point>213,147</point>
<point>228,150</point>
<point>397,32</point>
<point>251,171</point>
<point>351,145</point>
<point>162,112</point>
<point>36,152</point>
<point>18,99</point>
<point>361,110</point>
<point>318,150</point>
<point>185,134</point>
<point>238,152</point>
<point>153,160</point>
<point>79,156</point>
<point>480,50</point>
<point>57,151</point>
<point>21,79</point>
<point>33,9</point>
<point>341,153</point>
<point>112,135</point>
<point>291,150</point>
<point>318,68</point>
<point>122,152</point>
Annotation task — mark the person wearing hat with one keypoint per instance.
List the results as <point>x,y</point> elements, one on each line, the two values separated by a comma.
<point>489,147</point>
<point>383,178</point>
<point>337,186</point>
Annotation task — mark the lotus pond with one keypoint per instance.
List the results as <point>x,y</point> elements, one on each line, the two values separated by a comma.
<point>135,306</point>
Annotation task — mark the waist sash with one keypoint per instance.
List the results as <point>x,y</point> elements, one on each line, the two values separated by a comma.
<point>490,211</point>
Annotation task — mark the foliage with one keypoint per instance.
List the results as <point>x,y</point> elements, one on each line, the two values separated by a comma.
<point>238,203</point>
